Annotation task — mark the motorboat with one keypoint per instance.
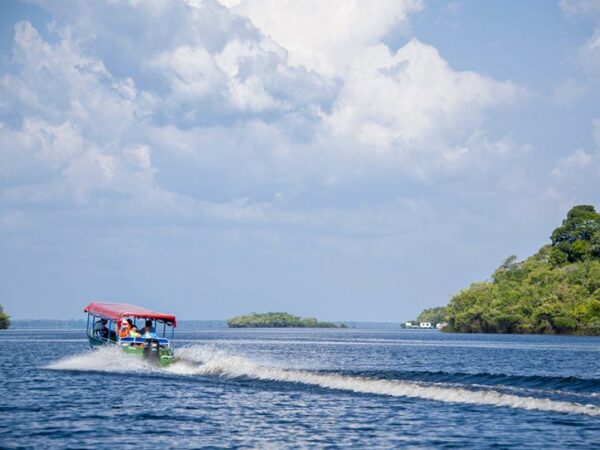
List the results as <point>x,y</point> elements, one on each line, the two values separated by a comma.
<point>135,330</point>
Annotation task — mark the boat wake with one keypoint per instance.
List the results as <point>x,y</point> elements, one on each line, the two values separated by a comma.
<point>207,361</point>
<point>570,385</point>
<point>104,359</point>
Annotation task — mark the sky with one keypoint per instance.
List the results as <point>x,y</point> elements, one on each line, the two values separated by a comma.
<point>346,160</point>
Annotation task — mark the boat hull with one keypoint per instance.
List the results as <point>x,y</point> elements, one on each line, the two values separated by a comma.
<point>165,354</point>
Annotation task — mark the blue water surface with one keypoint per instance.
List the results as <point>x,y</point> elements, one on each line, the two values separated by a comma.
<point>303,389</point>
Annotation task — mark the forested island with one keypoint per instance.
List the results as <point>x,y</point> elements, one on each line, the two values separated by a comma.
<point>278,320</point>
<point>4,319</point>
<point>555,291</point>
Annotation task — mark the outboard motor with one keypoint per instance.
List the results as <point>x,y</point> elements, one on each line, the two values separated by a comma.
<point>152,351</point>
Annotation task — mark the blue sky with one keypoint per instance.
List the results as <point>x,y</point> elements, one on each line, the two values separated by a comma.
<point>347,160</point>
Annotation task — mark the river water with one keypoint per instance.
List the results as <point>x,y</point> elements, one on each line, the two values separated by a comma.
<point>303,389</point>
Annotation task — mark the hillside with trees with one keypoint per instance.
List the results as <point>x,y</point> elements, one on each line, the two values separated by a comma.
<point>4,319</point>
<point>555,291</point>
<point>278,320</point>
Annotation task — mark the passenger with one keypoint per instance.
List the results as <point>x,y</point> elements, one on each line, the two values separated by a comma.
<point>103,332</point>
<point>134,332</point>
<point>148,331</point>
<point>124,331</point>
<point>98,325</point>
<point>125,328</point>
<point>150,335</point>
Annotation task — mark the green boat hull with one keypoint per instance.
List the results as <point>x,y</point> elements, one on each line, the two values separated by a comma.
<point>165,354</point>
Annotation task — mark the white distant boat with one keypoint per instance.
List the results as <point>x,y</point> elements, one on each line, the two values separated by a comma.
<point>422,325</point>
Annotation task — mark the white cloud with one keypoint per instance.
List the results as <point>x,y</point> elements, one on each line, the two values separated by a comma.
<point>577,176</point>
<point>391,100</point>
<point>589,52</point>
<point>573,163</point>
<point>191,72</point>
<point>233,100</point>
<point>589,8</point>
<point>74,117</point>
<point>138,155</point>
<point>409,106</point>
<point>325,36</point>
<point>58,82</point>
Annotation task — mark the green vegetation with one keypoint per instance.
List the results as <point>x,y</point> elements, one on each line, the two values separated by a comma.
<point>277,320</point>
<point>557,290</point>
<point>433,315</point>
<point>4,319</point>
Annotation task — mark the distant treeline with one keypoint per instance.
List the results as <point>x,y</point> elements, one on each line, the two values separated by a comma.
<point>201,324</point>
<point>278,320</point>
<point>557,290</point>
<point>77,324</point>
<point>182,325</point>
<point>47,324</point>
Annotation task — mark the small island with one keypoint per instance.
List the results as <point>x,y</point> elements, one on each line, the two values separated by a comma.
<point>555,291</point>
<point>278,320</point>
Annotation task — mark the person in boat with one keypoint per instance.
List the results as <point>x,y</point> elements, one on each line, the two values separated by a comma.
<point>101,329</point>
<point>126,326</point>
<point>98,325</point>
<point>104,333</point>
<point>148,331</point>
<point>134,332</point>
<point>149,326</point>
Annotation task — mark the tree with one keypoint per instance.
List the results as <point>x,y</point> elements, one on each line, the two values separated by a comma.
<point>575,234</point>
<point>558,257</point>
<point>4,319</point>
<point>509,263</point>
<point>557,290</point>
<point>433,315</point>
<point>595,245</point>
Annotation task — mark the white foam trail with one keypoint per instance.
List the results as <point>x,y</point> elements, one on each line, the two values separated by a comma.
<point>208,361</point>
<point>396,343</point>
<point>219,363</point>
<point>104,359</point>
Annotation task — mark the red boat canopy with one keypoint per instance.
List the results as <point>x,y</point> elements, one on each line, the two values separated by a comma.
<point>117,311</point>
